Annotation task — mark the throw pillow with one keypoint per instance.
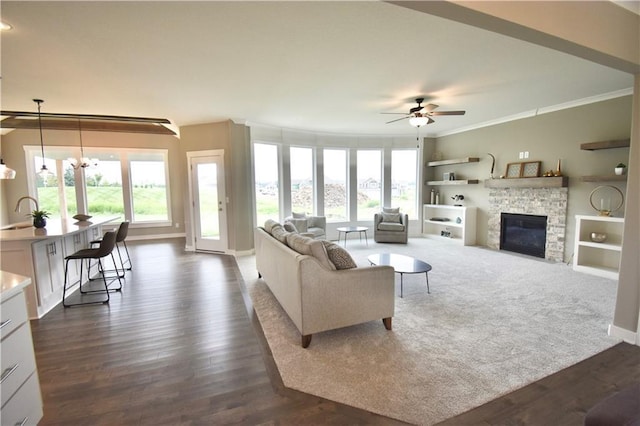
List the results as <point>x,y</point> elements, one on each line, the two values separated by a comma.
<point>298,215</point>
<point>290,227</point>
<point>391,217</point>
<point>340,258</point>
<point>391,210</point>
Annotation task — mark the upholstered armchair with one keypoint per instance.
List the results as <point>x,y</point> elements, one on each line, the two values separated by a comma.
<point>310,226</point>
<point>391,226</point>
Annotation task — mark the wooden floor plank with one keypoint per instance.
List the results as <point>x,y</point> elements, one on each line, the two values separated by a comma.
<point>181,344</point>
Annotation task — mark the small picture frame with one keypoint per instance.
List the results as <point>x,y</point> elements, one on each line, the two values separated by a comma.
<point>514,170</point>
<point>449,176</point>
<point>531,169</point>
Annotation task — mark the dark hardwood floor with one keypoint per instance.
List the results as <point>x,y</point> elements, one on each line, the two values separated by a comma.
<point>182,345</point>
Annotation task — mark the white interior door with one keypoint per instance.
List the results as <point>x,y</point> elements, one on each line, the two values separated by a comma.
<point>209,203</point>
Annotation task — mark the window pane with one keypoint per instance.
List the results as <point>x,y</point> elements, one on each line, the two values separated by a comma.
<point>265,159</point>
<point>208,200</point>
<point>301,180</point>
<point>403,181</point>
<point>104,189</point>
<point>69,193</point>
<point>149,189</point>
<point>369,170</point>
<point>47,190</point>
<point>335,185</point>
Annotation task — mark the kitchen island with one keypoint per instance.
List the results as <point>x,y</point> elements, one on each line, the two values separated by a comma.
<point>39,254</point>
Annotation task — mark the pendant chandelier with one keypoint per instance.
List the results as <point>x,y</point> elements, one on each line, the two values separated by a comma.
<point>44,172</point>
<point>83,162</point>
<point>6,172</point>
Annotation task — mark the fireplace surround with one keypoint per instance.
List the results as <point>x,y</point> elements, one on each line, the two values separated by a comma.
<point>549,202</point>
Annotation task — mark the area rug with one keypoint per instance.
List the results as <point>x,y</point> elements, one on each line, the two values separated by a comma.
<point>493,323</point>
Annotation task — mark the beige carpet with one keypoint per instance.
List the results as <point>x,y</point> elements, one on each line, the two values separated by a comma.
<point>493,323</point>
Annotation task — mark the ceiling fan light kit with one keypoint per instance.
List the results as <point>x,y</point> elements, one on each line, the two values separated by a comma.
<point>422,115</point>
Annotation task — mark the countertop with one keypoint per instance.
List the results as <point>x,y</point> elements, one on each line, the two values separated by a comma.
<point>12,284</point>
<point>54,228</point>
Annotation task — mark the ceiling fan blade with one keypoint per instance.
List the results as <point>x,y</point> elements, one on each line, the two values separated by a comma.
<point>430,107</point>
<point>431,120</point>
<point>398,113</point>
<point>397,119</point>
<point>447,113</point>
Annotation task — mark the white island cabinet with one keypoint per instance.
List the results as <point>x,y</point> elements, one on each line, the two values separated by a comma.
<point>20,386</point>
<point>39,254</point>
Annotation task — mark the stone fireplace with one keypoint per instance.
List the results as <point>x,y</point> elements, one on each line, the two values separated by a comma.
<point>549,202</point>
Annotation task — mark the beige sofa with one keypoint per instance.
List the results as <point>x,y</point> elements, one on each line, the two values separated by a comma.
<point>316,296</point>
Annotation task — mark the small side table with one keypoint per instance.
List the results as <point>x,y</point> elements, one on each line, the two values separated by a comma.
<point>347,229</point>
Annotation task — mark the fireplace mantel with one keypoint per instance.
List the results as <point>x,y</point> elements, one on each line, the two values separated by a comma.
<point>534,182</point>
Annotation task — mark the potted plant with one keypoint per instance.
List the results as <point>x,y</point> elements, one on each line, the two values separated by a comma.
<point>620,168</point>
<point>39,218</point>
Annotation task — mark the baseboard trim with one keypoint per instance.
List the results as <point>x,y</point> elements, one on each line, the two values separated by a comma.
<point>154,237</point>
<point>624,334</point>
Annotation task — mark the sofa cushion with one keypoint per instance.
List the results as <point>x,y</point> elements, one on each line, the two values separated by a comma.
<point>391,217</point>
<point>290,227</point>
<point>388,226</point>
<point>298,215</point>
<point>280,234</point>
<point>338,256</point>
<point>310,247</point>
<point>269,224</point>
<point>391,210</point>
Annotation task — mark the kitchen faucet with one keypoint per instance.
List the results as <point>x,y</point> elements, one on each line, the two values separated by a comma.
<point>26,198</point>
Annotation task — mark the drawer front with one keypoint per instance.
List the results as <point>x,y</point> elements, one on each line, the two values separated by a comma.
<point>18,361</point>
<point>13,314</point>
<point>25,408</point>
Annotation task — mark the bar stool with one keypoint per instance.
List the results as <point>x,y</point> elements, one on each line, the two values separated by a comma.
<point>121,235</point>
<point>107,244</point>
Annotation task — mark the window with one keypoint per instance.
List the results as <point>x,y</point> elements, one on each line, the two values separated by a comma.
<point>265,160</point>
<point>148,187</point>
<point>404,178</point>
<point>144,198</point>
<point>301,180</point>
<point>335,185</point>
<point>369,171</point>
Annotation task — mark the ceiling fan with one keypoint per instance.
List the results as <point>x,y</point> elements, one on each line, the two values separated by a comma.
<point>422,115</point>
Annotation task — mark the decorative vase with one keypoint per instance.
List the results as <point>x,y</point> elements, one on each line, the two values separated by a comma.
<point>620,170</point>
<point>558,171</point>
<point>39,222</point>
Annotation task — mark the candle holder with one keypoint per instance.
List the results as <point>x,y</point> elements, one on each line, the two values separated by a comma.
<point>605,207</point>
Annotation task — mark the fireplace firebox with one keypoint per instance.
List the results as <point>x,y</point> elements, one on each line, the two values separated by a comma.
<point>523,233</point>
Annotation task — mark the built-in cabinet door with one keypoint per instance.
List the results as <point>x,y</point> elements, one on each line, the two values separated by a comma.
<point>48,256</point>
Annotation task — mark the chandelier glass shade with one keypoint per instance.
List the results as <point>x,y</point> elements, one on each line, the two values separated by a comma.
<point>5,171</point>
<point>418,121</point>
<point>82,162</point>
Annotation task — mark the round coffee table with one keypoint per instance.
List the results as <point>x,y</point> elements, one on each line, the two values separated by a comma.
<point>347,229</point>
<point>402,265</point>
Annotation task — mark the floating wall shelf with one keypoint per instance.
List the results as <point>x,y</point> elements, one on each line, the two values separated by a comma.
<point>453,161</point>
<point>592,146</point>
<point>537,182</point>
<point>453,182</point>
<point>604,178</point>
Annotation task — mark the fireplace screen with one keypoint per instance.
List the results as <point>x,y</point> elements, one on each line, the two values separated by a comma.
<point>523,233</point>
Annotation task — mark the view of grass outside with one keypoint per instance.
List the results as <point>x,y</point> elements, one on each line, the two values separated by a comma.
<point>369,172</point>
<point>267,183</point>
<point>403,181</point>
<point>149,191</point>
<point>208,200</point>
<point>301,180</point>
<point>335,185</point>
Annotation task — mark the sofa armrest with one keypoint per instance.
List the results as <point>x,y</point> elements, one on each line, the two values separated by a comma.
<point>317,222</point>
<point>404,219</point>
<point>377,218</point>
<point>335,299</point>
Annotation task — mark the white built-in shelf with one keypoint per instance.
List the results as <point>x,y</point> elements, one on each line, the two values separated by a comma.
<point>532,182</point>
<point>453,182</point>
<point>601,259</point>
<point>463,232</point>
<point>453,161</point>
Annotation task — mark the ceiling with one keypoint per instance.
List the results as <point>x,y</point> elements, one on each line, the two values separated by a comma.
<point>318,66</point>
